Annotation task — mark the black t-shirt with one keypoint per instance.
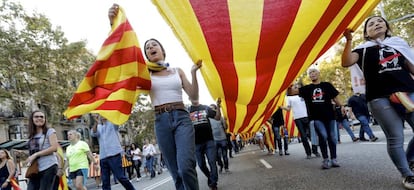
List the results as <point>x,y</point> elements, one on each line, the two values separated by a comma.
<point>358,103</point>
<point>278,118</point>
<point>318,99</point>
<point>384,72</point>
<point>199,115</point>
<point>339,116</point>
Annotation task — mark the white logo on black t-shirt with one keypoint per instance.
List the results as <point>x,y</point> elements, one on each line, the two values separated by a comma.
<point>317,95</point>
<point>388,59</point>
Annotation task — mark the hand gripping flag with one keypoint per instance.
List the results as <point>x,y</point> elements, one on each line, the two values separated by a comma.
<point>114,81</point>
<point>253,49</point>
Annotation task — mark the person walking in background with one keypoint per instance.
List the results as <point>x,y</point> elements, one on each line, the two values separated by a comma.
<point>220,138</point>
<point>127,162</point>
<point>42,145</point>
<point>110,151</point>
<point>359,108</point>
<point>148,152</point>
<point>157,157</point>
<point>318,97</point>
<point>342,120</point>
<point>77,154</point>
<point>7,170</point>
<point>229,144</point>
<point>173,127</point>
<point>204,140</point>
<point>136,160</point>
<point>278,124</point>
<point>95,170</point>
<point>300,116</point>
<point>387,65</point>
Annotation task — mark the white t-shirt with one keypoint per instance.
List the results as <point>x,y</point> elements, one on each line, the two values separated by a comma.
<point>148,150</point>
<point>135,154</point>
<point>298,106</point>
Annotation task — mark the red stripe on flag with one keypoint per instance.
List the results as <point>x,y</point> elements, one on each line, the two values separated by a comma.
<point>116,36</point>
<point>123,106</point>
<point>329,15</point>
<point>221,49</point>
<point>117,58</point>
<point>342,26</point>
<point>272,39</point>
<point>103,91</point>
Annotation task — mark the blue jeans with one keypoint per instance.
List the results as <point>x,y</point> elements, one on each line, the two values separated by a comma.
<point>222,154</point>
<point>114,164</point>
<point>149,163</point>
<point>278,139</point>
<point>327,132</point>
<point>208,149</point>
<point>175,136</point>
<point>364,121</point>
<point>345,125</point>
<point>303,126</point>
<point>393,126</point>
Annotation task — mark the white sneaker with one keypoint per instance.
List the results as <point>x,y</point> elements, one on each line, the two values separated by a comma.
<point>409,182</point>
<point>138,179</point>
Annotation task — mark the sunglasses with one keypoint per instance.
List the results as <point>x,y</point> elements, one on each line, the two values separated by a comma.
<point>39,116</point>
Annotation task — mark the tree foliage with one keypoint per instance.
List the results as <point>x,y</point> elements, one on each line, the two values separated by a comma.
<point>38,67</point>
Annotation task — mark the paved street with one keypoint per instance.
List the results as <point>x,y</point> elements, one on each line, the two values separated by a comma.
<point>364,165</point>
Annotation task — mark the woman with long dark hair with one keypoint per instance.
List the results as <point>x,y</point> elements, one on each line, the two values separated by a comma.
<point>387,63</point>
<point>42,145</point>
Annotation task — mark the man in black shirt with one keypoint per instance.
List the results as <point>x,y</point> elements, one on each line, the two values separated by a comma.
<point>205,145</point>
<point>277,123</point>
<point>318,97</point>
<point>359,106</point>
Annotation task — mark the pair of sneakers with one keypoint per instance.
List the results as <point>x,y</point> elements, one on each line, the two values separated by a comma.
<point>326,164</point>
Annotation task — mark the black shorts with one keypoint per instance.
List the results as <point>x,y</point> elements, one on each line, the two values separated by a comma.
<point>72,175</point>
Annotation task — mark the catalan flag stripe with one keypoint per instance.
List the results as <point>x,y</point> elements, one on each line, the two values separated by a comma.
<point>253,50</point>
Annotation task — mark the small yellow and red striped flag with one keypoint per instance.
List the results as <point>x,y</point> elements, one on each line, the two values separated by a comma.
<point>14,184</point>
<point>119,73</point>
<point>269,137</point>
<point>63,181</point>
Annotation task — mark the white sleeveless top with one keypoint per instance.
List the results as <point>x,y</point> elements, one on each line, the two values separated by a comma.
<point>166,89</point>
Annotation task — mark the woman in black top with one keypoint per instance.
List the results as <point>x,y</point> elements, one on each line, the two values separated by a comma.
<point>387,65</point>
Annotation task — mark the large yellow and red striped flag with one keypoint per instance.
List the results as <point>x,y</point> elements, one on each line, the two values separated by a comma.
<point>253,49</point>
<point>111,85</point>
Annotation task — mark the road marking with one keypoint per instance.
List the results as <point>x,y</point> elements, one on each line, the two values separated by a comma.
<point>267,165</point>
<point>156,185</point>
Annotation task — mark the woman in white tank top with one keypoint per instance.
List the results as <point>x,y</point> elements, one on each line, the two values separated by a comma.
<point>173,126</point>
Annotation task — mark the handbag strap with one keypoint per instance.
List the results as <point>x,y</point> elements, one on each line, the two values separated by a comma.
<point>363,59</point>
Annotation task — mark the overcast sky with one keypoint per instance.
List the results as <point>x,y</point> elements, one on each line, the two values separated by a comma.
<point>88,20</point>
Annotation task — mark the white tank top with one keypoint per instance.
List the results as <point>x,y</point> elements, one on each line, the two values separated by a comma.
<point>166,89</point>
